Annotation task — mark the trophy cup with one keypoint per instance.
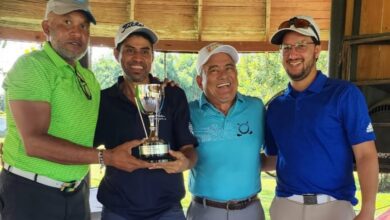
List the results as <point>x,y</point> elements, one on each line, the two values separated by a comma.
<point>149,100</point>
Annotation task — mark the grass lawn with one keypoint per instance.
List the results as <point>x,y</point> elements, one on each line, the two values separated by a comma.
<point>266,195</point>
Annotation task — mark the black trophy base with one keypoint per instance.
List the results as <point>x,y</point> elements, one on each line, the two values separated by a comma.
<point>155,152</point>
<point>157,158</point>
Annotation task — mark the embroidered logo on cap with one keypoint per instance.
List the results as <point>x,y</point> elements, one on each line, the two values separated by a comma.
<point>132,24</point>
<point>213,46</point>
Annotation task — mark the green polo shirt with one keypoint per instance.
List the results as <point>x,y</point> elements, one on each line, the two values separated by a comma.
<point>44,76</point>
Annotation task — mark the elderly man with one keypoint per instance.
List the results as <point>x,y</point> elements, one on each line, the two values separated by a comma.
<point>229,128</point>
<point>52,107</point>
<point>316,128</point>
<point>148,191</point>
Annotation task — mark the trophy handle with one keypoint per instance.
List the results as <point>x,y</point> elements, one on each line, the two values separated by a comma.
<point>161,104</point>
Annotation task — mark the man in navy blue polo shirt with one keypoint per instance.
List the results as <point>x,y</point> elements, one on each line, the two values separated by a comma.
<point>315,129</point>
<point>150,191</point>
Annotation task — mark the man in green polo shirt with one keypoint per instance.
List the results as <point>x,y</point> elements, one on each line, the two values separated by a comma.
<point>52,106</point>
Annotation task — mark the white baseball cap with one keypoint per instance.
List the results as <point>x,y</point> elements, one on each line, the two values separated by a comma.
<point>61,7</point>
<point>310,30</point>
<point>134,27</point>
<point>206,52</point>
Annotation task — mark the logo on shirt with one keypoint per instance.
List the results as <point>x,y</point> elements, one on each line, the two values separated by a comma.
<point>369,128</point>
<point>243,129</point>
<point>161,117</point>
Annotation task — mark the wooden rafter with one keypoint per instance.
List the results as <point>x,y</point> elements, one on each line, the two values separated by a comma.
<point>182,25</point>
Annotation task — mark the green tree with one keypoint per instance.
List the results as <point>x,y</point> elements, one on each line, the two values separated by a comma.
<point>107,70</point>
<point>259,74</point>
<point>180,67</point>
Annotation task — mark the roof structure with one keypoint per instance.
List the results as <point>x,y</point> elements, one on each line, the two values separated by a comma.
<point>182,25</point>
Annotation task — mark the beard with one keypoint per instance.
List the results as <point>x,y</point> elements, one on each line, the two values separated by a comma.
<point>68,55</point>
<point>307,67</point>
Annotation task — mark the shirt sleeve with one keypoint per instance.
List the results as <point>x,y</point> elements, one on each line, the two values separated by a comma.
<point>356,120</point>
<point>27,80</point>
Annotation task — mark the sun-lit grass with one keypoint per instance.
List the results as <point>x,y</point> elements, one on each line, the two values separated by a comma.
<point>266,195</point>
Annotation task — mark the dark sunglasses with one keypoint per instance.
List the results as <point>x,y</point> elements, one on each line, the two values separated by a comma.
<point>83,85</point>
<point>299,23</point>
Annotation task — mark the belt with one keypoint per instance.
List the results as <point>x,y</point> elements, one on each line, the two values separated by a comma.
<point>311,199</point>
<point>229,205</point>
<point>63,186</point>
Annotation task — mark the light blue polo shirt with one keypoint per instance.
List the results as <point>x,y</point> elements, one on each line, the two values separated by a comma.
<point>228,166</point>
<point>313,132</point>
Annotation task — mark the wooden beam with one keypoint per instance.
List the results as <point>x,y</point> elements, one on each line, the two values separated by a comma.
<point>162,45</point>
<point>200,19</point>
<point>21,35</point>
<point>132,11</point>
<point>268,19</point>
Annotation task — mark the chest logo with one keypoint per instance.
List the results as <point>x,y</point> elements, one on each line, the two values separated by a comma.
<point>243,129</point>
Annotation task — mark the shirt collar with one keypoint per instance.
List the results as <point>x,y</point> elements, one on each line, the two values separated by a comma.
<point>56,58</point>
<point>315,87</point>
<point>203,100</point>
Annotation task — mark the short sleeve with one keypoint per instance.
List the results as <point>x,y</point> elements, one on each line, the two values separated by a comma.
<point>354,113</point>
<point>27,80</point>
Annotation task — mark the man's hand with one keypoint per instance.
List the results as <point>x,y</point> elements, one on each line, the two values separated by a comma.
<point>121,158</point>
<point>179,165</point>
<point>168,82</point>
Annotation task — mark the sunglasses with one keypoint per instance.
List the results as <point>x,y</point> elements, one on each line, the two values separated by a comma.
<point>83,85</point>
<point>299,23</point>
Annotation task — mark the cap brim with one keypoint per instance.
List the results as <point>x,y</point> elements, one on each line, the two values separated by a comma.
<point>148,32</point>
<point>231,51</point>
<point>61,11</point>
<point>120,37</point>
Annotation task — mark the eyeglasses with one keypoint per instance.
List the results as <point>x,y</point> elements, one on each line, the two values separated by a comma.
<point>83,85</point>
<point>299,23</point>
<point>300,47</point>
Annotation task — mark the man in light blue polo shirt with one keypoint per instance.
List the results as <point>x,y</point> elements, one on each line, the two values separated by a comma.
<point>229,128</point>
<point>316,129</point>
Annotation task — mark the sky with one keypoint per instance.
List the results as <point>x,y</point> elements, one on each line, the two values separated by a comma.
<point>11,50</point>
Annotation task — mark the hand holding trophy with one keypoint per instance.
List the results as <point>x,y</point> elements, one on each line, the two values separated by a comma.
<point>150,100</point>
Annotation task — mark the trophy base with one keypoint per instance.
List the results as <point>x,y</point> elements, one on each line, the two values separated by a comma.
<point>157,158</point>
<point>155,152</point>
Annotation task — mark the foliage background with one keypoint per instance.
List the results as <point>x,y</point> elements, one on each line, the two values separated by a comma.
<point>259,74</point>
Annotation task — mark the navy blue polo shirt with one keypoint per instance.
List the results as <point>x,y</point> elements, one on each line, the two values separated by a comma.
<point>143,193</point>
<point>312,132</point>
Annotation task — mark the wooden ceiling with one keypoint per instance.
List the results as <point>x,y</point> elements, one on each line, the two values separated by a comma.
<point>182,25</point>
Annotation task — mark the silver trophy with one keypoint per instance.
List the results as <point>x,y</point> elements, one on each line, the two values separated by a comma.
<point>149,100</point>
